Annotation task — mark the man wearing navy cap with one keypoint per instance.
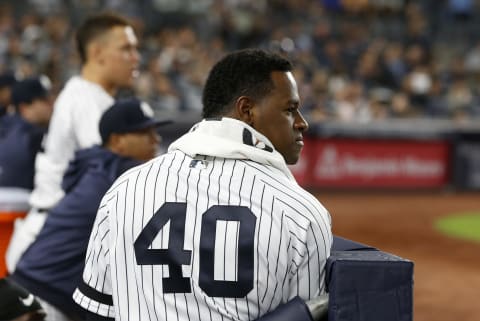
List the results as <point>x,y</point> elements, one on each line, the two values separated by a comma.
<point>52,266</point>
<point>22,132</point>
<point>7,79</point>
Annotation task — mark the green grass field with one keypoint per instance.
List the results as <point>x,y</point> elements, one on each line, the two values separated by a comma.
<point>462,225</point>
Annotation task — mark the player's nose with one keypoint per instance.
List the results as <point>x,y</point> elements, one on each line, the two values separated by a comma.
<point>136,56</point>
<point>300,123</point>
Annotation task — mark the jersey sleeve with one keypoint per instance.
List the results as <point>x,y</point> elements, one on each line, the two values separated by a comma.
<point>307,269</point>
<point>95,292</point>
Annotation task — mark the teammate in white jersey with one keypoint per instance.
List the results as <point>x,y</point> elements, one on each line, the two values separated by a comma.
<point>107,47</point>
<point>217,228</point>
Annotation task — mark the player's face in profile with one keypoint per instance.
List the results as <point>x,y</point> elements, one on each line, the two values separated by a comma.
<point>43,109</point>
<point>277,116</point>
<point>141,145</point>
<point>120,55</point>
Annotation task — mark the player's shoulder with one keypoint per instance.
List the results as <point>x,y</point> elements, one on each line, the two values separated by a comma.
<point>78,91</point>
<point>303,212</point>
<point>273,177</point>
<point>73,85</point>
<point>150,167</point>
<point>69,96</point>
<point>76,83</point>
<point>264,172</point>
<point>298,201</point>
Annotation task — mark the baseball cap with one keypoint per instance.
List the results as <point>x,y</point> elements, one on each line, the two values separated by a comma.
<point>28,89</point>
<point>15,300</point>
<point>128,115</point>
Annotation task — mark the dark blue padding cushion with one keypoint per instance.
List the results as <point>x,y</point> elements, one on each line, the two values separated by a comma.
<point>293,310</point>
<point>369,285</point>
<point>343,244</point>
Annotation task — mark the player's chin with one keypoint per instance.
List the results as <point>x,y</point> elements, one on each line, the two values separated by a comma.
<point>293,157</point>
<point>297,151</point>
<point>134,73</point>
<point>129,81</point>
<point>130,78</point>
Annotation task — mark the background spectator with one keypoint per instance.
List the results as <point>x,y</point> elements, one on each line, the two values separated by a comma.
<point>21,133</point>
<point>407,47</point>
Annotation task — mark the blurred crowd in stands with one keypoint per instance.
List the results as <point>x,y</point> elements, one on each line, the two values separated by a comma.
<point>356,60</point>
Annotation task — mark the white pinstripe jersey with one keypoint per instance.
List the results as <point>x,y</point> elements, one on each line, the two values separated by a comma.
<point>208,238</point>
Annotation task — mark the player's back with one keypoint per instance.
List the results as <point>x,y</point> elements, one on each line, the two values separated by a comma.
<point>209,239</point>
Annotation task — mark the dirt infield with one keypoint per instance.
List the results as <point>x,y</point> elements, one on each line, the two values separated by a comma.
<point>447,270</point>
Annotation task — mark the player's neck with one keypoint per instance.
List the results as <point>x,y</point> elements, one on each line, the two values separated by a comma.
<point>91,74</point>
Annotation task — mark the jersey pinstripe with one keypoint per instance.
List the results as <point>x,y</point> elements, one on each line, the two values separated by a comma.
<point>234,268</point>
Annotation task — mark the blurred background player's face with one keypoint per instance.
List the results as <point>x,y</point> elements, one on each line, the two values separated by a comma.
<point>277,116</point>
<point>42,108</point>
<point>5,94</point>
<point>119,56</point>
<point>141,145</point>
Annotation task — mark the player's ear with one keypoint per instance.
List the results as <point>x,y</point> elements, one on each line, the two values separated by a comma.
<point>95,52</point>
<point>244,109</point>
<point>23,109</point>
<point>115,143</point>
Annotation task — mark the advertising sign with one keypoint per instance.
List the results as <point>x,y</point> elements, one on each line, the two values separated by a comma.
<point>373,163</point>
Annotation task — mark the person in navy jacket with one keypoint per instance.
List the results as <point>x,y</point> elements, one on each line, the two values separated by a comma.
<point>21,132</point>
<point>52,266</point>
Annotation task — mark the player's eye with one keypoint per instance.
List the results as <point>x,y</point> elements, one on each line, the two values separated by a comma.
<point>291,109</point>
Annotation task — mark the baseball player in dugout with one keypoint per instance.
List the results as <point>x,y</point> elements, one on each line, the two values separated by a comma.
<point>107,47</point>
<point>22,131</point>
<point>52,266</point>
<point>217,228</point>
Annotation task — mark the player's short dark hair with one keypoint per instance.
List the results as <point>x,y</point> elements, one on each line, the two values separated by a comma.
<point>241,73</point>
<point>95,26</point>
